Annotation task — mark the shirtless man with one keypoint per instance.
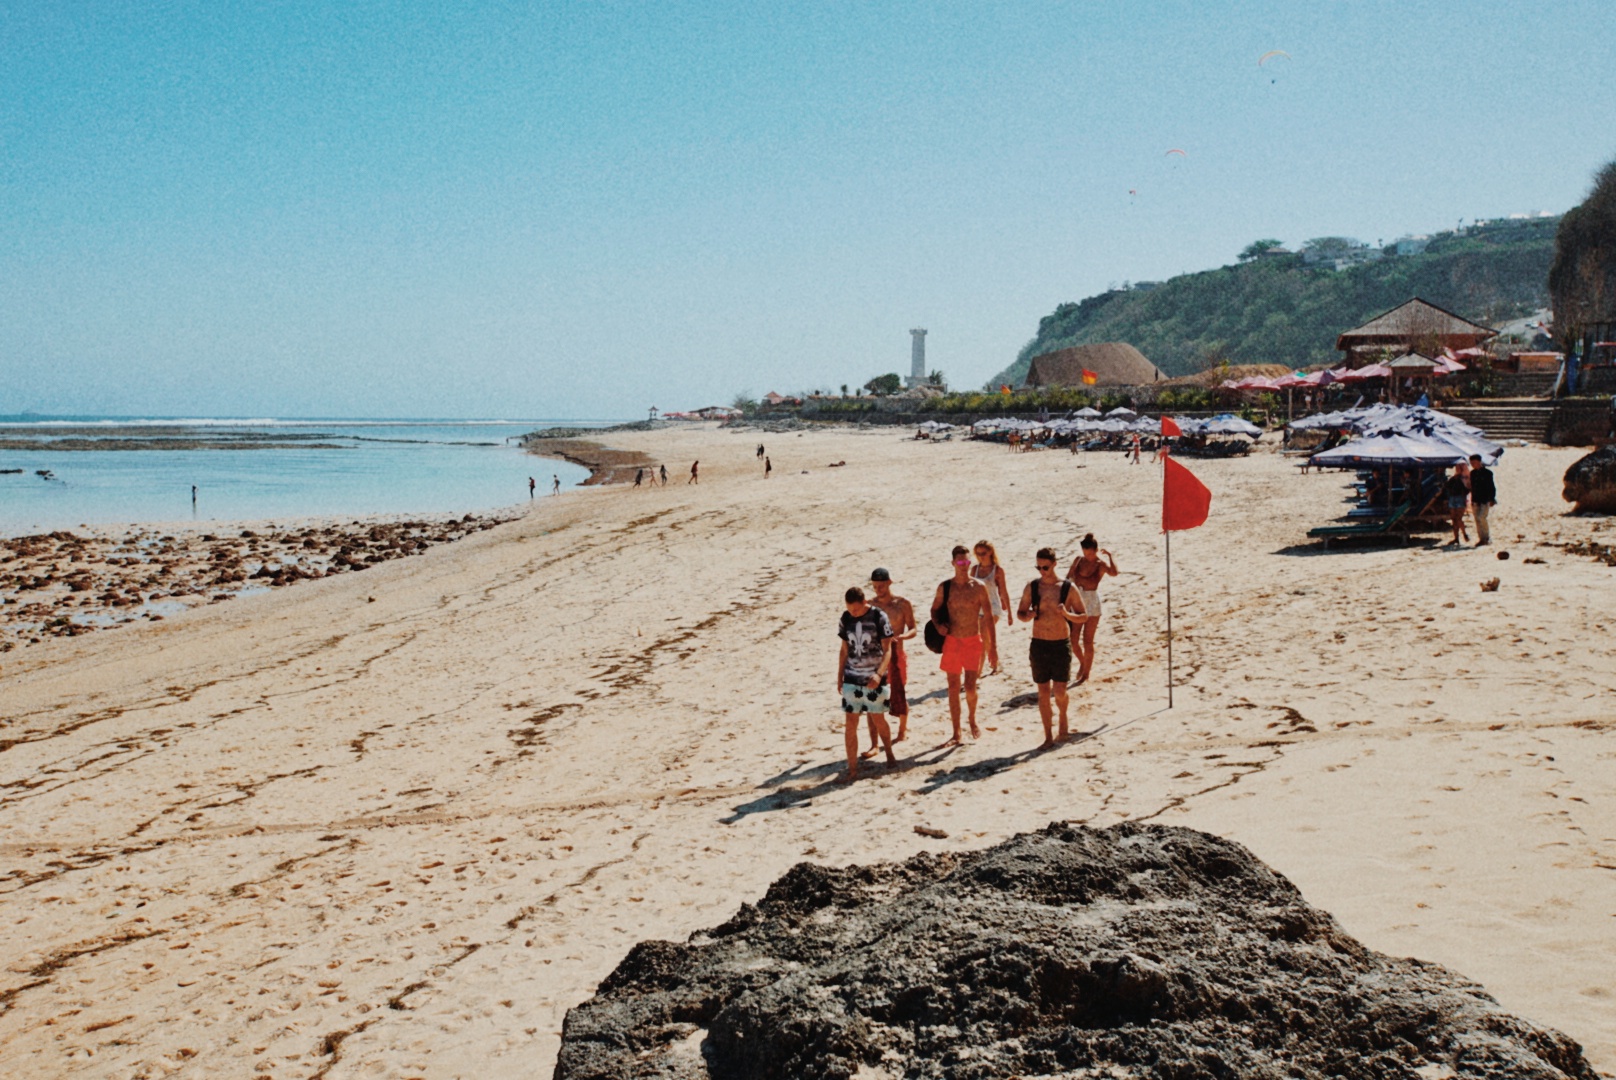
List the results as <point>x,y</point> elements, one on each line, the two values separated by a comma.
<point>961,623</point>
<point>901,614</point>
<point>1053,608</point>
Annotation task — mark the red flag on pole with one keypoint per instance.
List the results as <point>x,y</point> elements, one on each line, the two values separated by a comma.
<point>1170,427</point>
<point>1090,377</point>
<point>1185,500</point>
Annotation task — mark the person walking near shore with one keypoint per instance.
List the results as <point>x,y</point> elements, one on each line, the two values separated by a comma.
<point>901,614</point>
<point>694,476</point>
<point>959,609</point>
<point>639,475</point>
<point>768,467</point>
<point>532,487</point>
<point>1086,572</point>
<point>861,675</point>
<point>664,475</point>
<point>1046,603</point>
<point>988,571</point>
<point>1483,495</point>
<point>555,484</point>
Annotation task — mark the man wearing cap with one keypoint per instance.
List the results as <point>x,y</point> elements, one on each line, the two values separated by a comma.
<point>861,674</point>
<point>901,614</point>
<point>959,608</point>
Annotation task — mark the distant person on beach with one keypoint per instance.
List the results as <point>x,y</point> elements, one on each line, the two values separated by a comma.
<point>1456,489</point>
<point>1047,602</point>
<point>1133,449</point>
<point>695,477</point>
<point>988,571</point>
<point>1085,572</point>
<point>532,487</point>
<point>768,467</point>
<point>760,450</point>
<point>901,614</point>
<point>639,475</point>
<point>193,496</point>
<point>960,608</point>
<point>1483,495</point>
<point>664,475</point>
<point>861,675</point>
<point>555,484</point>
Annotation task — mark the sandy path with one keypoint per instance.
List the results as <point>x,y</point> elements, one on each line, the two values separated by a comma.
<point>396,824</point>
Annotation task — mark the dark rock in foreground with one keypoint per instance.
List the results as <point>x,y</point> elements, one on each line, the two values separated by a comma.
<point>1590,482</point>
<point>1133,951</point>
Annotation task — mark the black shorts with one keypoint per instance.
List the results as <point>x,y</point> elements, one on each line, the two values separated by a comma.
<point>1051,660</point>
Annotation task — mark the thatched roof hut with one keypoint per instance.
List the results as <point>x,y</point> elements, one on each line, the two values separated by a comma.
<point>1414,326</point>
<point>1115,363</point>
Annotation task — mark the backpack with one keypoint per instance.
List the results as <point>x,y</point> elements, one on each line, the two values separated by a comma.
<point>1066,588</point>
<point>932,633</point>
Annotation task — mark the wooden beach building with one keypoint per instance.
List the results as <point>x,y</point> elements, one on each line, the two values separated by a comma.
<point>1416,326</point>
<point>1114,363</point>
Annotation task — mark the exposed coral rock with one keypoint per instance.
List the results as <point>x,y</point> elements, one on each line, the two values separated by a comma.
<point>1132,951</point>
<point>1590,482</point>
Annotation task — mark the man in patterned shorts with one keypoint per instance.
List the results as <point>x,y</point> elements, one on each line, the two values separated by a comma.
<point>861,675</point>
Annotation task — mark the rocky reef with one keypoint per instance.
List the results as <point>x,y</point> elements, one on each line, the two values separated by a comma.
<point>1133,951</point>
<point>1590,482</point>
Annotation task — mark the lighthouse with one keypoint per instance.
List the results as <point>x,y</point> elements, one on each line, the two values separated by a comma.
<point>917,358</point>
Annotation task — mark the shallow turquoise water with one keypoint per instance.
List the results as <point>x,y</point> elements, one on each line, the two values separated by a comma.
<point>376,467</point>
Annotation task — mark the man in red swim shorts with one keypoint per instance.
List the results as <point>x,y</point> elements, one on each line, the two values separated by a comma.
<point>959,608</point>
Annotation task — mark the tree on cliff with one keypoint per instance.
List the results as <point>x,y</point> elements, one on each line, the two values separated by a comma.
<point>885,384</point>
<point>1582,278</point>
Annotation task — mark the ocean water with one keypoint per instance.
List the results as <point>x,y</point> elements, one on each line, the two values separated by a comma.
<point>361,467</point>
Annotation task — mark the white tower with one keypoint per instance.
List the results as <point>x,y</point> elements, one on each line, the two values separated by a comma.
<point>917,358</point>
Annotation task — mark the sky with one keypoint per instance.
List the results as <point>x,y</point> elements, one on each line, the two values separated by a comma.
<point>584,210</point>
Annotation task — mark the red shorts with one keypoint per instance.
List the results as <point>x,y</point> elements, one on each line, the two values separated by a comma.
<point>961,654</point>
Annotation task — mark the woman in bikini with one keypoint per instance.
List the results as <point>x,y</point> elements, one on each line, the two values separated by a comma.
<point>1085,574</point>
<point>988,571</point>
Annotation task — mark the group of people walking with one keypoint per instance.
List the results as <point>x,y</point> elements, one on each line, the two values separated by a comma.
<point>872,666</point>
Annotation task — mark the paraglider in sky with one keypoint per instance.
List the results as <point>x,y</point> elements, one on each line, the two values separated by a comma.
<point>1272,54</point>
<point>1177,151</point>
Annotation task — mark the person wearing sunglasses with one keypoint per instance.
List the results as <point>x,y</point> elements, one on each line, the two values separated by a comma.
<point>1054,608</point>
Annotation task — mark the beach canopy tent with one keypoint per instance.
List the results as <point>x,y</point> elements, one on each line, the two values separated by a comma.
<point>937,425</point>
<point>1121,412</point>
<point>1408,437</point>
<point>1087,413</point>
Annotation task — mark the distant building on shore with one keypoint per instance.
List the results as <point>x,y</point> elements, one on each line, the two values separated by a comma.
<point>1415,326</point>
<point>1113,363</point>
<point>917,358</point>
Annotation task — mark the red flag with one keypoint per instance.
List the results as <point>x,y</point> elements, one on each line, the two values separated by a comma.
<point>1185,500</point>
<point>1089,377</point>
<point>1169,427</point>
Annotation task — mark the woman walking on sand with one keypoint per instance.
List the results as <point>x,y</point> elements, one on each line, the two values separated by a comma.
<point>1457,490</point>
<point>1086,572</point>
<point>988,571</point>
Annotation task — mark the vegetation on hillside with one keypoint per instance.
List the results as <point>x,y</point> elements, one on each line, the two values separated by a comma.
<point>1276,309</point>
<point>1582,280</point>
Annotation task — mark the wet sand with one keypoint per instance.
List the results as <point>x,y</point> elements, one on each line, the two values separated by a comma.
<point>395,824</point>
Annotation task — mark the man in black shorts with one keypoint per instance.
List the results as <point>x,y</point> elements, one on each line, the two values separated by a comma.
<point>1048,603</point>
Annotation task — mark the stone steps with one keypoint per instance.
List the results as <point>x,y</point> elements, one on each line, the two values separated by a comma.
<point>1529,421</point>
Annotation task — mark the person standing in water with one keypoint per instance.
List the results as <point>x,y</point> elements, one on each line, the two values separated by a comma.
<point>532,487</point>
<point>988,571</point>
<point>1086,572</point>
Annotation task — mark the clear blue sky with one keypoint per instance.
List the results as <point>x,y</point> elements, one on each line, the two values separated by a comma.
<point>585,209</point>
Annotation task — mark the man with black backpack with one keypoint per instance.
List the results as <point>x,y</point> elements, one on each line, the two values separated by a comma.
<point>1047,602</point>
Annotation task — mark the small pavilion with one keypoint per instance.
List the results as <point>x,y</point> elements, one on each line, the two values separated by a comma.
<point>1417,327</point>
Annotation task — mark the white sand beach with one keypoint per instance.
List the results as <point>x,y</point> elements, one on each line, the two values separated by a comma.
<point>396,823</point>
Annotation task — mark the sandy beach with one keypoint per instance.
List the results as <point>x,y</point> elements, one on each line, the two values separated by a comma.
<point>395,824</point>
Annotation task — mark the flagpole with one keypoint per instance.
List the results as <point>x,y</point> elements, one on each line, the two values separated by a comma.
<point>1169,536</point>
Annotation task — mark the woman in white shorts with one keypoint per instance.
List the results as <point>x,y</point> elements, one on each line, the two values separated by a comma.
<point>1085,574</point>
<point>988,571</point>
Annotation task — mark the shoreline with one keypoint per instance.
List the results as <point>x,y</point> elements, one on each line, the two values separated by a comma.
<point>606,465</point>
<point>431,809</point>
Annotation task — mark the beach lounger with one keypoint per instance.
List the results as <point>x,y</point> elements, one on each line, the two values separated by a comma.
<point>1375,529</point>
